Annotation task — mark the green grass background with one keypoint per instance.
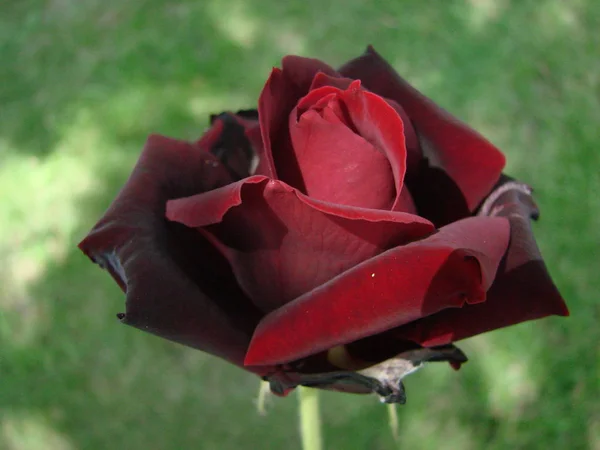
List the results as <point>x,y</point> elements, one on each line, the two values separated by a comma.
<point>82,83</point>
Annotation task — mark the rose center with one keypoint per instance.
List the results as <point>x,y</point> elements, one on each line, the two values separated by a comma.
<point>339,164</point>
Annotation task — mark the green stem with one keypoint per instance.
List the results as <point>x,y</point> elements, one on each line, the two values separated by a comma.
<point>261,400</point>
<point>310,418</point>
<point>393,420</point>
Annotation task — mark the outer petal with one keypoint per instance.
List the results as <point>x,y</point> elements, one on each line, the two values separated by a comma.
<point>301,71</point>
<point>211,136</point>
<point>178,287</point>
<point>276,100</point>
<point>227,139</point>
<point>469,159</point>
<point>282,243</point>
<point>447,270</point>
<point>248,119</point>
<point>523,289</point>
<point>436,195</point>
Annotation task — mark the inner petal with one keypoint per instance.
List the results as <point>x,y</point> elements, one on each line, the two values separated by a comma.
<point>338,165</point>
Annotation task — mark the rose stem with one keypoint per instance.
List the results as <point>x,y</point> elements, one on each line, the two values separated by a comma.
<point>393,420</point>
<point>261,400</point>
<point>310,419</point>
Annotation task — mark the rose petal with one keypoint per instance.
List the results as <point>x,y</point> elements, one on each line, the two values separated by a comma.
<point>282,91</point>
<point>186,296</point>
<point>446,270</point>
<point>322,79</point>
<point>248,118</point>
<point>336,163</point>
<point>468,158</point>
<point>437,197</point>
<point>227,139</point>
<point>405,202</point>
<point>336,150</point>
<point>301,71</point>
<point>276,100</point>
<point>281,243</point>
<point>317,99</point>
<point>211,136</point>
<point>378,123</point>
<point>413,148</point>
<point>523,289</point>
<point>414,153</point>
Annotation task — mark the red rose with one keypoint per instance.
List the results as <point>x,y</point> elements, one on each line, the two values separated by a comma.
<point>347,221</point>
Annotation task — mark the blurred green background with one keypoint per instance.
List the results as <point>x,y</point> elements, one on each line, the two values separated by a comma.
<point>82,83</point>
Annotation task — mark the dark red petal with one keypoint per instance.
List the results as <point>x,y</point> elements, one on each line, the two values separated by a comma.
<point>470,160</point>
<point>227,140</point>
<point>255,138</point>
<point>248,118</point>
<point>336,149</point>
<point>281,243</point>
<point>277,99</point>
<point>316,98</point>
<point>413,149</point>
<point>338,165</point>
<point>412,144</point>
<point>414,153</point>
<point>446,270</point>
<point>405,202</point>
<point>211,136</point>
<point>378,123</point>
<point>437,197</point>
<point>523,289</point>
<point>178,287</point>
<point>210,207</point>
<point>301,71</point>
<point>322,79</point>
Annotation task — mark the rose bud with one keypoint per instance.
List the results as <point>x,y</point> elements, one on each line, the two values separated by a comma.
<point>339,236</point>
